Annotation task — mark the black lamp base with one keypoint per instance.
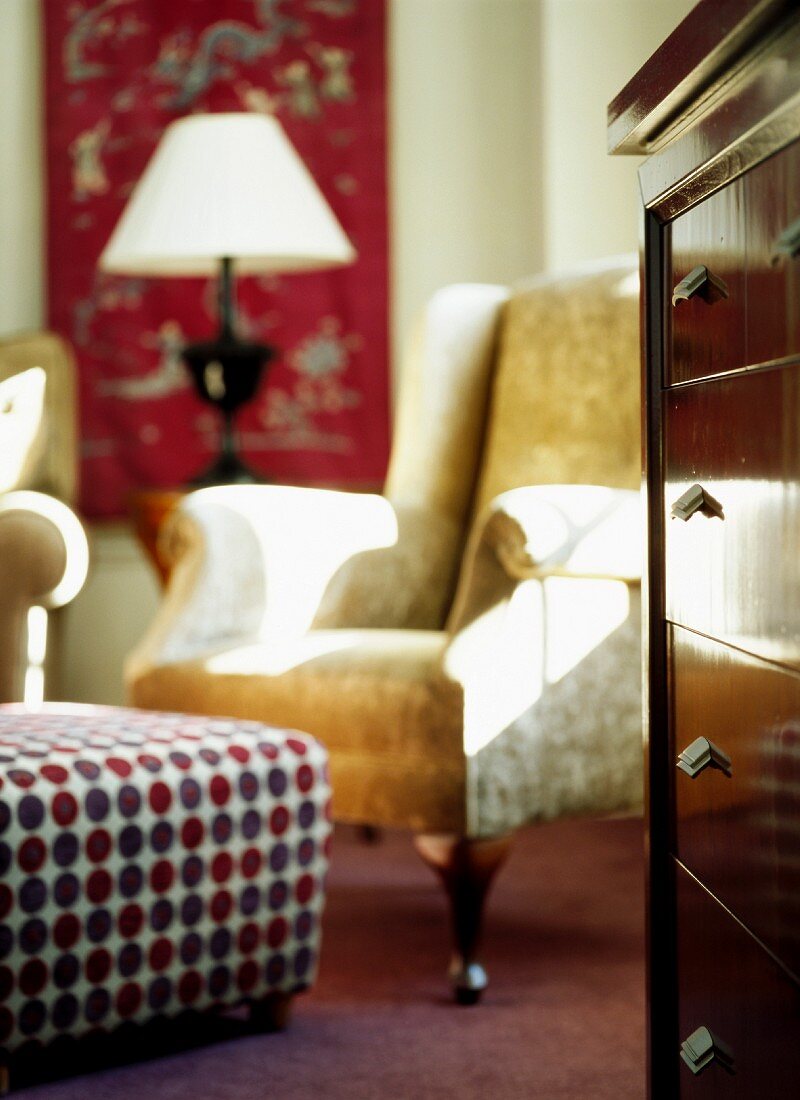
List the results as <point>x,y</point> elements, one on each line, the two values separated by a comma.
<point>226,469</point>
<point>226,373</point>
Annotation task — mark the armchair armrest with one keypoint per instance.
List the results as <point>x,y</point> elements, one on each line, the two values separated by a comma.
<point>44,559</point>
<point>540,531</point>
<point>567,530</point>
<point>546,616</point>
<point>43,548</point>
<point>252,563</point>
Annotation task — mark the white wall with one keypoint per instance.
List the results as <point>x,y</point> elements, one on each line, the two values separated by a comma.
<point>111,613</point>
<point>465,161</point>
<point>497,169</point>
<point>21,259</point>
<point>590,50</point>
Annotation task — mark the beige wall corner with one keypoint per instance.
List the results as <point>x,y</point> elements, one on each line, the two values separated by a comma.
<point>465,159</point>
<point>590,49</point>
<point>108,617</point>
<point>21,179</point>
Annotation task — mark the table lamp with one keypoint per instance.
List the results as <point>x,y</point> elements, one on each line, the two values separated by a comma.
<point>219,190</point>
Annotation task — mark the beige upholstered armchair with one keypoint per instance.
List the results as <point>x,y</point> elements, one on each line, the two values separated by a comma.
<point>43,549</point>
<point>467,644</point>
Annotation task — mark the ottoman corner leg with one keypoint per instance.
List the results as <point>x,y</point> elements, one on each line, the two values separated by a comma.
<point>271,1013</point>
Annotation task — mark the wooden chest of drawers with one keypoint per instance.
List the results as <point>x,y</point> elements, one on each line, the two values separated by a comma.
<point>716,112</point>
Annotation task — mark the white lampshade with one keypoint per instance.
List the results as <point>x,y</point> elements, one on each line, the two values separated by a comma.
<point>225,185</point>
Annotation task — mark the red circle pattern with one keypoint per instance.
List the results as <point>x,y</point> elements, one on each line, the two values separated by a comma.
<point>110,897</point>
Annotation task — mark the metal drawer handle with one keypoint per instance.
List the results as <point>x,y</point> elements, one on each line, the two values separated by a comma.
<point>787,245</point>
<point>702,1048</point>
<point>702,754</point>
<point>700,283</point>
<point>696,499</point>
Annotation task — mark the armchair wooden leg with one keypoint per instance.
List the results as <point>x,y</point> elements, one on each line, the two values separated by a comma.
<point>369,834</point>
<point>5,1081</point>
<point>466,867</point>
<point>271,1013</point>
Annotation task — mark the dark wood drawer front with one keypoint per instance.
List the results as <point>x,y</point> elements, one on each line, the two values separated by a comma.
<point>708,331</point>
<point>736,576</point>
<point>737,825</point>
<point>728,984</point>
<point>772,201</point>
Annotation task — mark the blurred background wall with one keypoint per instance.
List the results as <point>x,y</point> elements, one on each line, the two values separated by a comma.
<point>498,170</point>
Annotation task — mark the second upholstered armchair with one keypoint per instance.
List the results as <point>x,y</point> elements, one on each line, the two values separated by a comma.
<point>467,644</point>
<point>43,547</point>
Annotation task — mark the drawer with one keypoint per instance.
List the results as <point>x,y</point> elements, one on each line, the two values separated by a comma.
<point>737,825</point>
<point>772,202</point>
<point>728,984</point>
<point>736,576</point>
<point>707,332</point>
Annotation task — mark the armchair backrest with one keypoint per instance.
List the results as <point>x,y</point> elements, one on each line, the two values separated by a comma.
<point>441,411</point>
<point>564,404</point>
<point>501,389</point>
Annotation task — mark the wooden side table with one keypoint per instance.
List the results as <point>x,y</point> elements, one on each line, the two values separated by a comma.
<point>149,508</point>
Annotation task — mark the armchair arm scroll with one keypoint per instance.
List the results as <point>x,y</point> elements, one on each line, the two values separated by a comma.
<point>44,549</point>
<point>44,559</point>
<point>540,531</point>
<point>567,530</point>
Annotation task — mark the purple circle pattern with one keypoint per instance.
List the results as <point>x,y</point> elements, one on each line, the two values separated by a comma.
<point>191,948</point>
<point>221,828</point>
<point>251,824</point>
<point>161,915</point>
<point>130,841</point>
<point>161,836</point>
<point>65,849</point>
<point>248,901</point>
<point>66,890</point>
<point>66,971</point>
<point>192,871</point>
<point>97,804</point>
<point>82,833</point>
<point>190,793</point>
<point>277,782</point>
<point>32,895</point>
<point>131,879</point>
<point>248,786</point>
<point>98,925</point>
<point>30,812</point>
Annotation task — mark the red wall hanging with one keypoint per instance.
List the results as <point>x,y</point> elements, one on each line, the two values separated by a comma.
<point>117,71</point>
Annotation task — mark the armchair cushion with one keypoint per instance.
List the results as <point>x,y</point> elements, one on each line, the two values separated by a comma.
<point>407,586</point>
<point>370,696</point>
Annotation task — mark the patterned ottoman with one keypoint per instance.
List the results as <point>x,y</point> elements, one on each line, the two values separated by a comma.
<point>151,863</point>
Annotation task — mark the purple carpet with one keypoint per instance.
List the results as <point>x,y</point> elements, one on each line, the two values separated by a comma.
<point>563,1018</point>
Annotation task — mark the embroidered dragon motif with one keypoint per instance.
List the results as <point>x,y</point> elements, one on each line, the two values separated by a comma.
<point>192,72</point>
